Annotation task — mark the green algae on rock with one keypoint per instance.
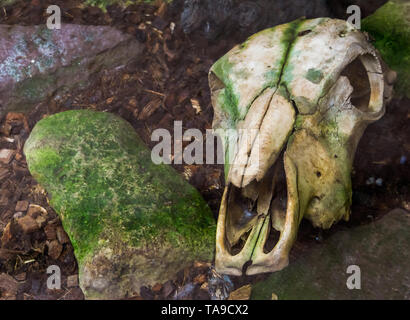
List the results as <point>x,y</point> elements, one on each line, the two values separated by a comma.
<point>131,222</point>
<point>390,28</point>
<point>381,250</point>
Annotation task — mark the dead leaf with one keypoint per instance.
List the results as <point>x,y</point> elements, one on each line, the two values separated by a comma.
<point>243,293</point>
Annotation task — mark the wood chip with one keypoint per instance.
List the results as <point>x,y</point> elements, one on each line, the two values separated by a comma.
<point>149,109</point>
<point>21,276</point>
<point>4,173</point>
<point>22,205</point>
<point>6,155</point>
<point>196,106</point>
<point>8,286</point>
<point>62,235</point>
<point>54,249</point>
<point>50,231</point>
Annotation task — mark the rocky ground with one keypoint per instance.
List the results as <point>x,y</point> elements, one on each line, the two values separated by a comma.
<point>168,83</point>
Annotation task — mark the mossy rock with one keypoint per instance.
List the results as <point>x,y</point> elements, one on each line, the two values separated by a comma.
<point>381,250</point>
<point>131,222</point>
<point>390,28</point>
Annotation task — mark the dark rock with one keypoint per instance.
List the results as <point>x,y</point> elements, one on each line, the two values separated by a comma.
<point>146,293</point>
<point>36,62</point>
<point>186,292</point>
<point>168,288</point>
<point>380,249</point>
<point>214,17</point>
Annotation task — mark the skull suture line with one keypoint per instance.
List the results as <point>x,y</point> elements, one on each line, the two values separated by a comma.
<point>309,88</point>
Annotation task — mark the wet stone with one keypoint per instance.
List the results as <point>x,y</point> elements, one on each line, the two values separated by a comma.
<point>381,249</point>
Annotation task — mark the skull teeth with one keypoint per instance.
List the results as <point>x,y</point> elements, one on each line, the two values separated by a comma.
<point>254,248</point>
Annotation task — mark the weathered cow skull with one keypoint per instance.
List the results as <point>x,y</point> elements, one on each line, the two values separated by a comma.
<point>314,85</point>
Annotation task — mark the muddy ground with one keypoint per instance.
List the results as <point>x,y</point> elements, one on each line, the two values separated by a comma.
<point>162,87</point>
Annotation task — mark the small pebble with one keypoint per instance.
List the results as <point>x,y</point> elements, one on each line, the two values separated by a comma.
<point>403,159</point>
<point>370,181</point>
<point>379,182</point>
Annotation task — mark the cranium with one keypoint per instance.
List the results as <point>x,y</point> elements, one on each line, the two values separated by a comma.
<point>308,89</point>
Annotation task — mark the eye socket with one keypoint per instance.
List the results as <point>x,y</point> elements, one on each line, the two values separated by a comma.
<point>367,81</point>
<point>359,80</point>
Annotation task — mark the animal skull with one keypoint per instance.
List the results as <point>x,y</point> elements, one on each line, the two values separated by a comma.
<point>307,90</point>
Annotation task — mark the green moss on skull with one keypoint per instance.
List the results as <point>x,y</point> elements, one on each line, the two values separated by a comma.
<point>228,99</point>
<point>314,75</point>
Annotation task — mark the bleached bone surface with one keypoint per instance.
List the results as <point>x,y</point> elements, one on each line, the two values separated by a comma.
<point>305,90</point>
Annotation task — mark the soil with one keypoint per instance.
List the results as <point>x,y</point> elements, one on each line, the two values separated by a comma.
<point>162,87</point>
